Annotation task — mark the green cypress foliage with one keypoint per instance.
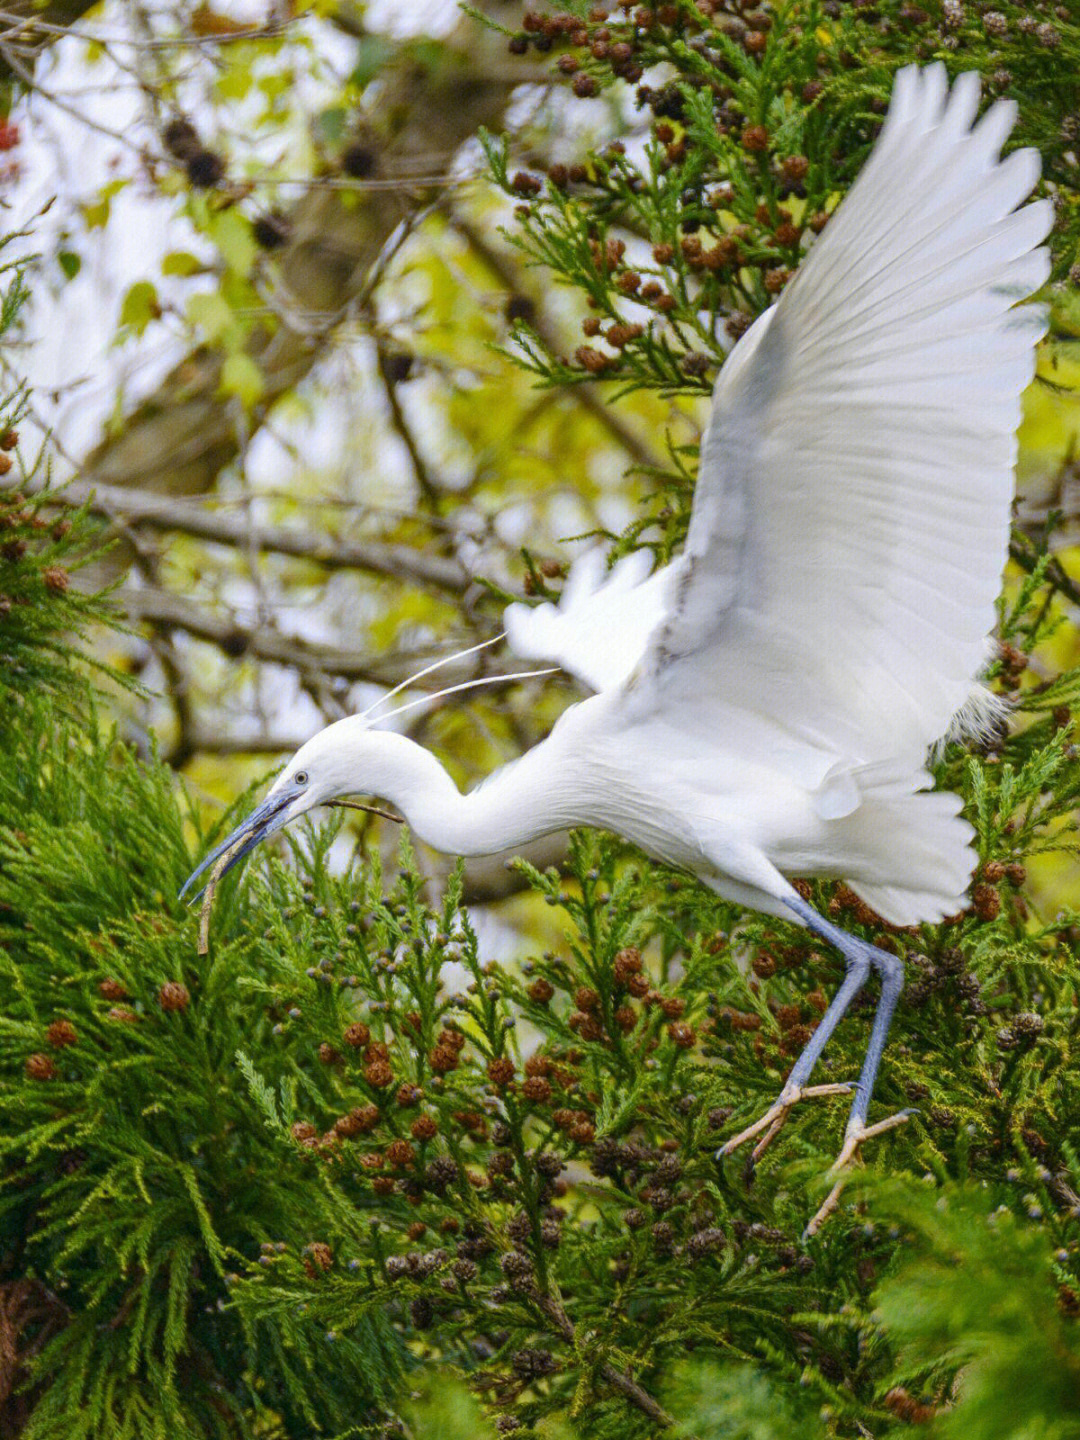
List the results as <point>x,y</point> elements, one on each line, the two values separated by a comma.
<point>296,1187</point>
<point>40,614</point>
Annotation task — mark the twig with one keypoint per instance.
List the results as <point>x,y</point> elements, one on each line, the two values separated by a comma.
<point>614,1376</point>
<point>403,429</point>
<point>208,895</point>
<point>368,809</point>
<point>237,637</point>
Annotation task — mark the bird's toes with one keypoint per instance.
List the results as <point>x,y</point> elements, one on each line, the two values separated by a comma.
<point>858,1132</point>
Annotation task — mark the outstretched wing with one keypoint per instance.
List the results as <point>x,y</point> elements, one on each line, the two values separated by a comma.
<point>852,513</point>
<point>602,624</point>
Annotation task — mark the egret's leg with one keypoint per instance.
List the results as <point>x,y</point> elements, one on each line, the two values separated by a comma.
<point>892,982</point>
<point>795,1088</point>
<point>860,957</point>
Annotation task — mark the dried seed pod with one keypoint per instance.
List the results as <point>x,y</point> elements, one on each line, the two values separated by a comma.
<point>359,161</point>
<point>205,169</point>
<point>180,138</point>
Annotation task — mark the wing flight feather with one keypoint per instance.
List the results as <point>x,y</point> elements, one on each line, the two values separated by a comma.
<point>851,520</point>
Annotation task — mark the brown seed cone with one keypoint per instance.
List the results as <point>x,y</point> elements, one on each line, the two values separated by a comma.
<point>501,1070</point>
<point>755,138</point>
<point>317,1257</point>
<point>61,1033</point>
<point>378,1074</point>
<point>400,1153</point>
<point>986,902</point>
<point>174,995</point>
<point>40,1067</point>
<point>627,963</point>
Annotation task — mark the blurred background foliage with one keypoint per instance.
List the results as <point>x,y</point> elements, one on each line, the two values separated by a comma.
<point>423,1151</point>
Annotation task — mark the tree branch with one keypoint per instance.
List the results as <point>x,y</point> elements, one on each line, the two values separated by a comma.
<point>126,507</point>
<point>178,440</point>
<point>615,1377</point>
<point>236,637</point>
<point>586,394</point>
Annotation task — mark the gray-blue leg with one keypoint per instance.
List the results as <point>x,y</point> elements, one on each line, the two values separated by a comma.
<point>860,957</point>
<point>891,971</point>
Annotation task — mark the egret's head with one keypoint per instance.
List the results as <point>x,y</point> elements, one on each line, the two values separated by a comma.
<point>319,772</point>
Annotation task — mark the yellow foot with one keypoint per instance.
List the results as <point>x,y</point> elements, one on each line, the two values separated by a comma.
<point>772,1122</point>
<point>849,1151</point>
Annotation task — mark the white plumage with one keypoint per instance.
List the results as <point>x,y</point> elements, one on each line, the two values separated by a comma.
<point>765,705</point>
<point>851,518</point>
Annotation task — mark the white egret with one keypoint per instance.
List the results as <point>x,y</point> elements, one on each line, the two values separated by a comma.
<point>765,704</point>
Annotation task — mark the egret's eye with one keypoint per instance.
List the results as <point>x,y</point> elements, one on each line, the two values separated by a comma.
<point>300,777</point>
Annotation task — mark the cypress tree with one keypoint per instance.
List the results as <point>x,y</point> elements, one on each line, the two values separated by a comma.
<point>291,1187</point>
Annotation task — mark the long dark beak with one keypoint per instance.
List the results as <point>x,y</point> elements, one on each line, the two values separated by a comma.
<point>263,821</point>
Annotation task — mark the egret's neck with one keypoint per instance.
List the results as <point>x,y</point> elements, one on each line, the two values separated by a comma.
<point>518,803</point>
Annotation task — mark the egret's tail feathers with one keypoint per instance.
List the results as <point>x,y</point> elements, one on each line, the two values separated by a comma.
<point>912,856</point>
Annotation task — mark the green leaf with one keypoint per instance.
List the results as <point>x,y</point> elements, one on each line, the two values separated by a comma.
<point>140,305</point>
<point>331,125</point>
<point>373,52</point>
<point>210,312</point>
<point>69,263</point>
<point>181,262</point>
<point>231,233</point>
<point>96,212</point>
<point>241,376</point>
<point>235,81</point>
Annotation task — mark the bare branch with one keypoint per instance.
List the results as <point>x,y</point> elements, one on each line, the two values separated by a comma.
<point>125,507</point>
<point>236,637</point>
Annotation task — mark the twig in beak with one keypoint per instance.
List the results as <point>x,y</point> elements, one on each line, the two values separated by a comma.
<point>208,896</point>
<point>370,809</point>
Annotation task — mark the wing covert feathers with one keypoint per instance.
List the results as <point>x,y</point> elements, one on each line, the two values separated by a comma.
<point>602,623</point>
